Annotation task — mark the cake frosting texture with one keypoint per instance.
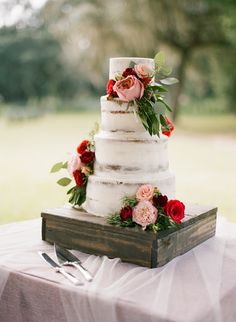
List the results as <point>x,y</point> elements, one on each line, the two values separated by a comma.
<point>118,65</point>
<point>126,155</point>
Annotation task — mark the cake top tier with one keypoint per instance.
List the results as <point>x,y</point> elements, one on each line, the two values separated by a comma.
<point>119,64</point>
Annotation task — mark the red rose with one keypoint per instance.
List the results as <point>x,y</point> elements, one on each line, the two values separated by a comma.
<point>146,81</point>
<point>87,157</point>
<point>171,127</point>
<point>126,213</point>
<point>79,178</point>
<point>175,209</point>
<point>109,88</point>
<point>82,147</point>
<point>129,71</point>
<point>160,201</point>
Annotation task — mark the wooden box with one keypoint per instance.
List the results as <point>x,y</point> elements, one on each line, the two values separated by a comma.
<point>76,229</point>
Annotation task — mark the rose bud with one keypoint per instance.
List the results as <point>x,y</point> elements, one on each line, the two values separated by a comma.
<point>145,192</point>
<point>109,88</point>
<point>79,178</point>
<point>144,71</point>
<point>146,81</point>
<point>87,157</point>
<point>129,71</point>
<point>168,132</point>
<point>126,213</point>
<point>83,146</point>
<point>160,201</point>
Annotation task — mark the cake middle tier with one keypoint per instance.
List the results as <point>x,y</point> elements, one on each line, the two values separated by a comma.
<point>129,155</point>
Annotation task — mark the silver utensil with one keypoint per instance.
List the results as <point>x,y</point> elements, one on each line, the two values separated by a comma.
<point>67,258</point>
<point>60,269</point>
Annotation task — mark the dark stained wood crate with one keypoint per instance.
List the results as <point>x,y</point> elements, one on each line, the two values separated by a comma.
<point>76,229</point>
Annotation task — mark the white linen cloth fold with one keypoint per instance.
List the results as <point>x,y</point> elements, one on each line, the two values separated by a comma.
<point>197,286</point>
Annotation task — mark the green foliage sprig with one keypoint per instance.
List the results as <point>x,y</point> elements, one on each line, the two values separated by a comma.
<point>151,107</point>
<point>148,209</point>
<point>77,194</point>
<point>163,222</point>
<point>116,220</point>
<point>129,201</point>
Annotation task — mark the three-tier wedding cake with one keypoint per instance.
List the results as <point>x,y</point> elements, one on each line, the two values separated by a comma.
<point>122,175</point>
<point>127,156</point>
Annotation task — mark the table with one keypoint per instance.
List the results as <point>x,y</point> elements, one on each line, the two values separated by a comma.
<point>198,286</point>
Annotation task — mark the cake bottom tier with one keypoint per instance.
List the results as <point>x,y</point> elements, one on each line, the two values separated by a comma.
<point>104,195</point>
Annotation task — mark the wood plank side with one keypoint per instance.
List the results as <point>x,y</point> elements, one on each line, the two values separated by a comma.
<point>91,234</point>
<point>74,217</point>
<point>181,241</point>
<point>44,224</point>
<point>100,242</point>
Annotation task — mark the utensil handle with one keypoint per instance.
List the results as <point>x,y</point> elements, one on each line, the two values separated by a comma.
<point>70,277</point>
<point>83,271</point>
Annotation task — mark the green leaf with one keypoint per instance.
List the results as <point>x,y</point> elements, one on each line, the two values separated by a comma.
<point>169,81</point>
<point>57,167</point>
<point>64,181</point>
<point>129,201</point>
<point>114,219</point>
<point>132,64</point>
<point>160,99</point>
<point>72,198</point>
<point>65,165</point>
<point>149,118</point>
<point>156,126</point>
<point>159,88</point>
<point>159,109</point>
<point>163,121</point>
<point>165,70</point>
<point>159,59</point>
<point>71,190</point>
<point>154,227</point>
<point>78,195</point>
<point>82,196</point>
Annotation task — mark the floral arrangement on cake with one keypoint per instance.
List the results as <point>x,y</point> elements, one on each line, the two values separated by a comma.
<point>136,85</point>
<point>150,210</point>
<point>79,167</point>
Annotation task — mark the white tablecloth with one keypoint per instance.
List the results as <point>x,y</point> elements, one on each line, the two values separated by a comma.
<point>198,286</point>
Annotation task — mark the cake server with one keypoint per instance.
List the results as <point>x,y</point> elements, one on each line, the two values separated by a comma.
<point>60,269</point>
<point>67,258</point>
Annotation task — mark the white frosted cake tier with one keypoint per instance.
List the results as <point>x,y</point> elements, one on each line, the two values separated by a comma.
<point>104,195</point>
<point>119,116</point>
<point>119,64</point>
<point>129,155</point>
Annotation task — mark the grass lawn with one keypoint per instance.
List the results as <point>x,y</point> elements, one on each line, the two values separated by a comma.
<point>202,154</point>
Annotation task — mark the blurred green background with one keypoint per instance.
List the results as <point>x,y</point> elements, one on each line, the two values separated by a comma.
<point>54,67</point>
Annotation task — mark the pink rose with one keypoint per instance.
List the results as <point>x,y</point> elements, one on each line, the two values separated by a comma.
<point>145,192</point>
<point>144,214</point>
<point>73,164</point>
<point>143,71</point>
<point>129,88</point>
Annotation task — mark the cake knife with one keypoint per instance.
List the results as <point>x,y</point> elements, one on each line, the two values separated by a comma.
<point>67,258</point>
<point>59,269</point>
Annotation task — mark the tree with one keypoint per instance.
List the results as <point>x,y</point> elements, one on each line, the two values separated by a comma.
<point>31,66</point>
<point>98,30</point>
